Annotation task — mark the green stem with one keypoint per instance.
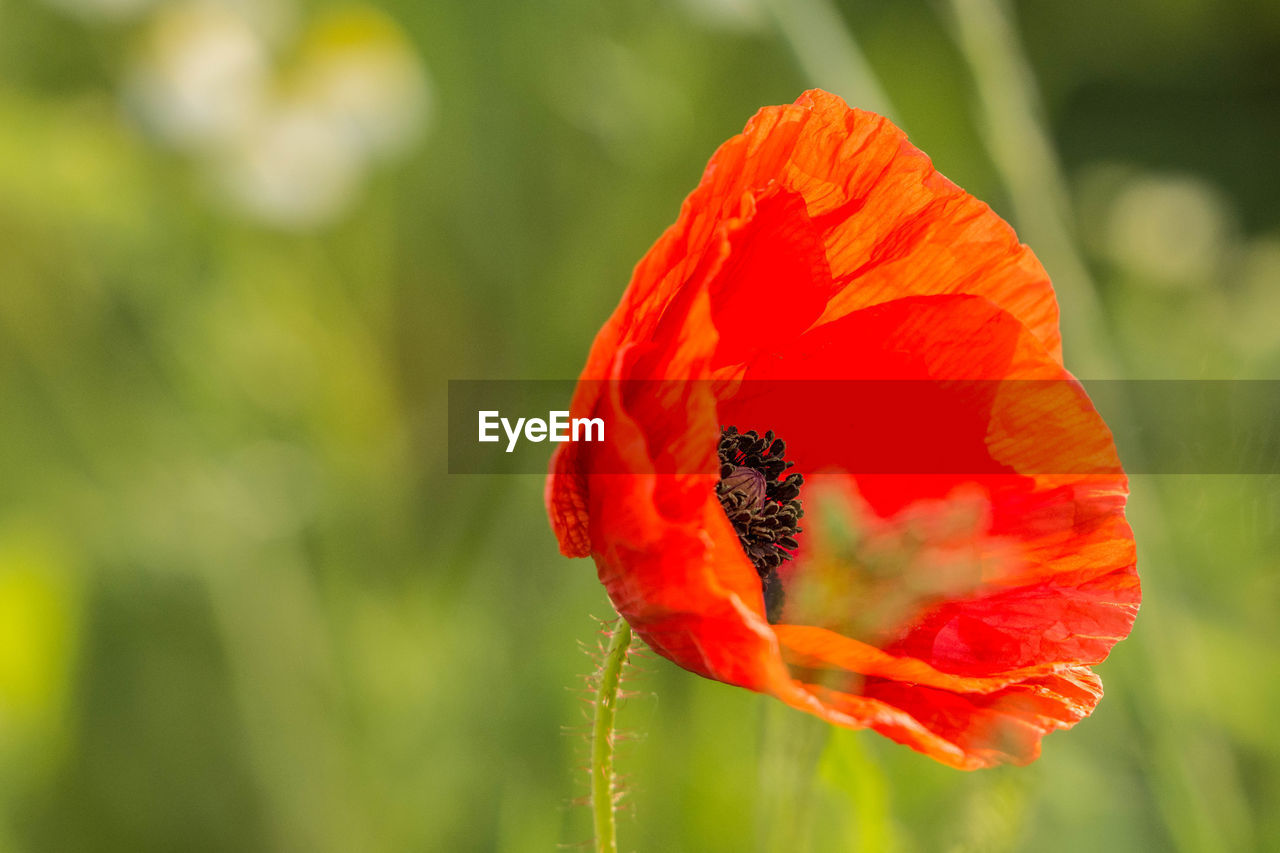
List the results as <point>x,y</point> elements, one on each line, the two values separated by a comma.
<point>1023,153</point>
<point>602,737</point>
<point>828,54</point>
<point>1021,147</point>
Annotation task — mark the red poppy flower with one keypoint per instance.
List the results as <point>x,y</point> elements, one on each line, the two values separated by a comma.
<point>956,608</point>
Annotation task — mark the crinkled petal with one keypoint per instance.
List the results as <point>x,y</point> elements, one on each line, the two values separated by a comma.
<point>821,246</point>
<point>887,224</point>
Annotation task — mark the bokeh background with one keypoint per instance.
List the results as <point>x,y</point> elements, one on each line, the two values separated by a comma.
<point>245,243</point>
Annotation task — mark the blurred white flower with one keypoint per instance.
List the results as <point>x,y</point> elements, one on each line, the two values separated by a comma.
<point>201,76</point>
<point>275,21</point>
<point>356,94</point>
<point>288,148</point>
<point>1169,230</point>
<point>292,169</point>
<point>357,68</point>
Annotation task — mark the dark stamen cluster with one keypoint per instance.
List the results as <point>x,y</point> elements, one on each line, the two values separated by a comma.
<point>763,506</point>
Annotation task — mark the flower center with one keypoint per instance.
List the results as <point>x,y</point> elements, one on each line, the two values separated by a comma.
<point>763,509</point>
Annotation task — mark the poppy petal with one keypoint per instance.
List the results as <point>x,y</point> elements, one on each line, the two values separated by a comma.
<point>822,247</point>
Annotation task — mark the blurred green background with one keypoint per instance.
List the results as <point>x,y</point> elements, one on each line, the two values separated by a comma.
<point>243,245</point>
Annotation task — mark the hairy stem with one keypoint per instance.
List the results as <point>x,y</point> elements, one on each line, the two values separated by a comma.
<point>602,738</point>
